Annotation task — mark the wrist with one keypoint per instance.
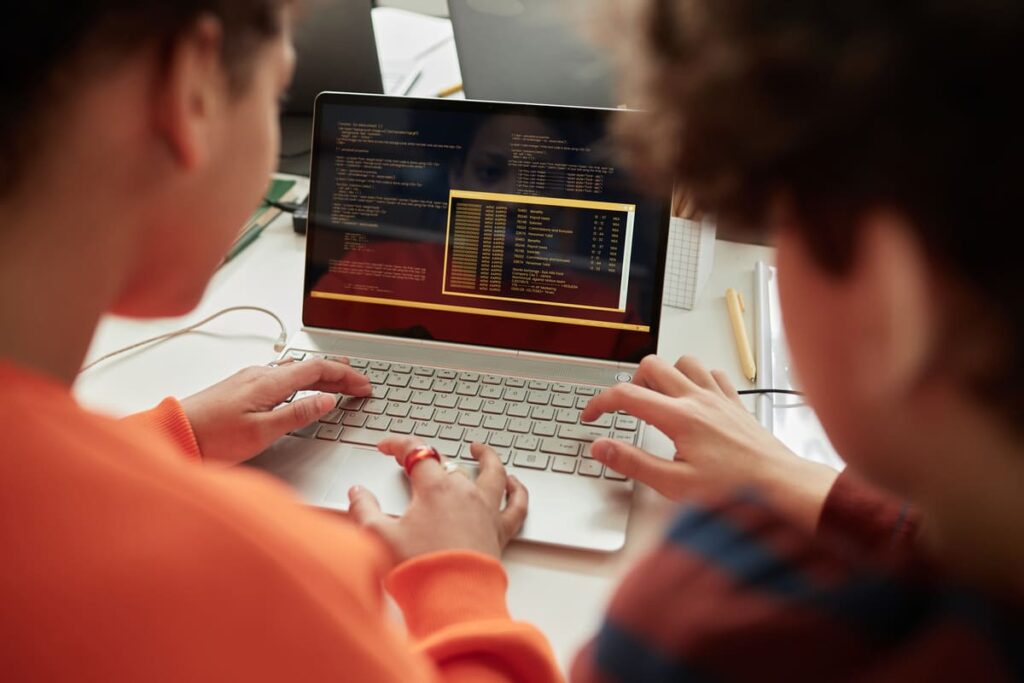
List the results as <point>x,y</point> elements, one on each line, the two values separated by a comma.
<point>797,487</point>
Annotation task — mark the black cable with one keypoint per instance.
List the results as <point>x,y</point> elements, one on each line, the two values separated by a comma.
<point>287,207</point>
<point>790,392</point>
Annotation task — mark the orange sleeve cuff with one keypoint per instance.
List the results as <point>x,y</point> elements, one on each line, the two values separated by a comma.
<point>169,419</point>
<point>442,589</point>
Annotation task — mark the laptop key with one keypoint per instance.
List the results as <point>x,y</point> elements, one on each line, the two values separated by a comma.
<point>400,395</point>
<point>538,384</point>
<point>527,443</point>
<point>380,365</point>
<point>446,401</point>
<point>567,416</point>
<point>402,426</point>
<point>354,420</point>
<point>626,437</point>
<point>476,435</point>
<point>491,379</point>
<point>378,391</point>
<point>469,376</point>
<point>515,395</point>
<point>396,380</point>
<point>581,432</point>
<point>545,413</point>
<point>565,464</point>
<point>447,374</point>
<point>490,391</point>
<point>377,376</point>
<point>492,407</point>
<point>559,447</point>
<point>544,428</point>
<point>581,402</point>
<point>495,422</point>
<point>446,416</point>
<point>501,439</point>
<point>518,410</point>
<point>563,401</point>
<point>401,368</point>
<point>471,403</point>
<point>541,398</point>
<point>519,425</point>
<point>421,383</point>
<point>307,432</point>
<point>466,389</point>
<point>590,468</point>
<point>534,461</point>
<point>586,391</point>
<point>334,417</point>
<point>375,407</point>
<point>421,413</point>
<point>351,403</point>
<point>329,432</point>
<point>398,409</point>
<point>612,474</point>
<point>603,421</point>
<point>515,382</point>
<point>427,429</point>
<point>452,433</point>
<point>422,398</point>
<point>627,423</point>
<point>378,422</point>
<point>444,386</point>
<point>561,388</point>
<point>470,419</point>
<point>358,363</point>
<point>423,371</point>
<point>449,449</point>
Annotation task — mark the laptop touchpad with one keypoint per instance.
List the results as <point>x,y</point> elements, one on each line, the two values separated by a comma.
<point>375,472</point>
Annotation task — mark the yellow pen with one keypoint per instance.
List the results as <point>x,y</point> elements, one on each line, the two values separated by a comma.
<point>734,302</point>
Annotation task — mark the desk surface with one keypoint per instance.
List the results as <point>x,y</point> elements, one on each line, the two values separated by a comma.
<point>563,592</point>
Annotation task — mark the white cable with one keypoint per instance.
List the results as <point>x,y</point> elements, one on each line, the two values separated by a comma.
<point>278,345</point>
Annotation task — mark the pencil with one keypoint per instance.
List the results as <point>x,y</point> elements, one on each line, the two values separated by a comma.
<point>450,90</point>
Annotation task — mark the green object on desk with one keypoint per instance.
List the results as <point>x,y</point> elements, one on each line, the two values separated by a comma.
<point>260,218</point>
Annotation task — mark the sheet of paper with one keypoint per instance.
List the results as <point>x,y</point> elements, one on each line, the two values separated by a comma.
<point>405,40</point>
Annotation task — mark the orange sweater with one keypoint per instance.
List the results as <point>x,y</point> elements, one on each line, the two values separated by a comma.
<point>125,559</point>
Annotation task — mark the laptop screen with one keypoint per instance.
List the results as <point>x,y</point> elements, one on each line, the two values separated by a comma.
<point>501,225</point>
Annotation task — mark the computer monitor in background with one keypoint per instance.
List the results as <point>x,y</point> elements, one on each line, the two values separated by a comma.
<point>336,50</point>
<point>533,51</point>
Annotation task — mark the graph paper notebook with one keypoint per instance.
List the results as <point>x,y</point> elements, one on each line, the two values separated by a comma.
<point>691,255</point>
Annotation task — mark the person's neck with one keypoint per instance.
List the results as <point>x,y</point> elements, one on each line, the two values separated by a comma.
<point>58,275</point>
<point>971,495</point>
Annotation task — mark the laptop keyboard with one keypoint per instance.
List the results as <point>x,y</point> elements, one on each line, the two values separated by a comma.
<point>530,423</point>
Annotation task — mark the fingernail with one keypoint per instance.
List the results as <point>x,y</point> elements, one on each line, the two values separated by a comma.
<point>354,491</point>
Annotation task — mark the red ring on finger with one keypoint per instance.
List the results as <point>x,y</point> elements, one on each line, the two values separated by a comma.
<point>418,456</point>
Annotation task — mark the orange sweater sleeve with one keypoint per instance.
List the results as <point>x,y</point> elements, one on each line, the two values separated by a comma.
<point>169,419</point>
<point>454,607</point>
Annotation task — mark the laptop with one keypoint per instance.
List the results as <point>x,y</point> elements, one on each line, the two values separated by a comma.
<point>490,267</point>
<point>530,51</point>
<point>335,49</point>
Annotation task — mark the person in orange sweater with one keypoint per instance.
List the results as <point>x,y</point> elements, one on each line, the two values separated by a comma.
<point>134,139</point>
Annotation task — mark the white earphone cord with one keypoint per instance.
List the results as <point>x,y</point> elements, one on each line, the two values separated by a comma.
<point>278,345</point>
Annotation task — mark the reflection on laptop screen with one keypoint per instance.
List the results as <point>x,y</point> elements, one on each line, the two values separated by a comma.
<point>489,224</point>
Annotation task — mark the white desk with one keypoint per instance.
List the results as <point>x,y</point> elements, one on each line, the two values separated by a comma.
<point>562,592</point>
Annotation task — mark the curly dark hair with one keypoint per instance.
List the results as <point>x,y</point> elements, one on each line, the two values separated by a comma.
<point>844,107</point>
<point>45,47</point>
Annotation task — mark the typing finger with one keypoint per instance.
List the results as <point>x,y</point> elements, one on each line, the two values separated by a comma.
<point>492,478</point>
<point>657,375</point>
<point>517,502</point>
<point>650,406</point>
<point>318,375</point>
<point>668,478</point>
<point>697,373</point>
<point>726,386</point>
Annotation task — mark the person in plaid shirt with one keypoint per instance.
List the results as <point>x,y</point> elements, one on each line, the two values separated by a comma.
<point>878,143</point>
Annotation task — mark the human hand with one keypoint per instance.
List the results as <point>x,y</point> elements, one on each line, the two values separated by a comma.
<point>717,440</point>
<point>235,419</point>
<point>447,511</point>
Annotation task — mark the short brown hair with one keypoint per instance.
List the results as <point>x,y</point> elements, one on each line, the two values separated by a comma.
<point>40,41</point>
<point>844,107</point>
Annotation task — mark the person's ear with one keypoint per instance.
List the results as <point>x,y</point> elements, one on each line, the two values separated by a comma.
<point>894,300</point>
<point>190,92</point>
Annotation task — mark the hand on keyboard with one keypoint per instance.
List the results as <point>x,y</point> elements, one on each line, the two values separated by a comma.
<point>235,419</point>
<point>717,441</point>
<point>448,511</point>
